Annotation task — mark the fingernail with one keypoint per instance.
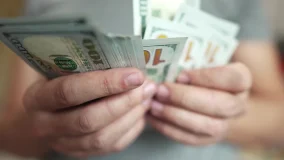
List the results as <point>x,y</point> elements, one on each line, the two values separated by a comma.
<point>147,102</point>
<point>134,79</point>
<point>183,78</point>
<point>157,108</point>
<point>149,90</point>
<point>163,92</point>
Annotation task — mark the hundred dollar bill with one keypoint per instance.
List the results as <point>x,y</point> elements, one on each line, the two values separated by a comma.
<point>164,9</point>
<point>137,19</point>
<point>57,51</point>
<point>219,48</point>
<point>220,51</point>
<point>186,13</point>
<point>194,47</point>
<point>144,13</point>
<point>160,54</point>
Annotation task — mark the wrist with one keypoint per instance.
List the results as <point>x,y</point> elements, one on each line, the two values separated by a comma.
<point>16,134</point>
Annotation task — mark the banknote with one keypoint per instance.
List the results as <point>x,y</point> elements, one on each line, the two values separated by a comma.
<point>137,19</point>
<point>177,35</point>
<point>160,54</point>
<point>166,9</point>
<point>187,13</point>
<point>195,46</point>
<point>144,13</point>
<point>221,46</point>
<point>218,48</point>
<point>219,51</point>
<point>57,51</point>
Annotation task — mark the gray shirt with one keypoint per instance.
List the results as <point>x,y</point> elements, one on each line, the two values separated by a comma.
<point>152,145</point>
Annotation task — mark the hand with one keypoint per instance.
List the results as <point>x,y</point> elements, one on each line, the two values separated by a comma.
<point>197,109</point>
<point>91,113</point>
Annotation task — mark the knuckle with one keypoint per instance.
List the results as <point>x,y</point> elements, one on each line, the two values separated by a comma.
<point>210,127</point>
<point>85,145</point>
<point>118,148</point>
<point>107,83</point>
<point>232,108</point>
<point>31,97</point>
<point>220,129</point>
<point>183,99</point>
<point>199,128</point>
<point>65,93</point>
<point>99,142</point>
<point>241,107</point>
<point>84,124</point>
<point>39,127</point>
<point>206,76</point>
<point>130,100</point>
<point>109,108</point>
<point>242,78</point>
<point>39,132</point>
<point>192,140</point>
<point>216,128</point>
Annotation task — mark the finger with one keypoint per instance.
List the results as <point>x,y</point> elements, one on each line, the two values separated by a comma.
<point>180,135</point>
<point>96,115</point>
<point>77,89</point>
<point>125,141</point>
<point>189,121</point>
<point>106,138</point>
<point>202,100</point>
<point>232,78</point>
<point>130,136</point>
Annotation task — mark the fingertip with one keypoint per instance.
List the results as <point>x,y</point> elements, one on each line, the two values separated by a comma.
<point>157,108</point>
<point>134,79</point>
<point>163,93</point>
<point>183,78</point>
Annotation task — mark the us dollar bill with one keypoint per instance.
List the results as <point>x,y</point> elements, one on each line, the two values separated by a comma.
<point>160,55</point>
<point>188,13</point>
<point>56,51</point>
<point>194,49</point>
<point>222,42</point>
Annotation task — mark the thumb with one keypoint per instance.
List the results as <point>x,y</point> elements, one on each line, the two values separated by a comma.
<point>80,88</point>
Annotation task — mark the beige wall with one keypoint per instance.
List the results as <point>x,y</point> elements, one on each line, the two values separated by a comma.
<point>8,8</point>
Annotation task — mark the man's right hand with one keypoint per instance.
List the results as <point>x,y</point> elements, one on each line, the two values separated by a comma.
<point>93,113</point>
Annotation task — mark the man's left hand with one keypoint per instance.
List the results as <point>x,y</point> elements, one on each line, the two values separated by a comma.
<point>196,110</point>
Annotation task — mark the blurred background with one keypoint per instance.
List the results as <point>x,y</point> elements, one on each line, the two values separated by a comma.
<point>274,10</point>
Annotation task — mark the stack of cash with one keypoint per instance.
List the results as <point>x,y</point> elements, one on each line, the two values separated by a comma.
<point>63,46</point>
<point>173,40</point>
<point>210,41</point>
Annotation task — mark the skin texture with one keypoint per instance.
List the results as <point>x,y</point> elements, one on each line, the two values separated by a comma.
<point>201,108</point>
<point>205,105</point>
<point>196,110</point>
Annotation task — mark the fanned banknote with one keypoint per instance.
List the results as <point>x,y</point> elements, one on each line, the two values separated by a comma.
<point>226,28</point>
<point>195,46</point>
<point>222,42</point>
<point>178,35</point>
<point>57,51</point>
<point>160,55</point>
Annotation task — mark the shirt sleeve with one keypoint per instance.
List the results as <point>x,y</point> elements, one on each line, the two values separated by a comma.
<point>253,22</point>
